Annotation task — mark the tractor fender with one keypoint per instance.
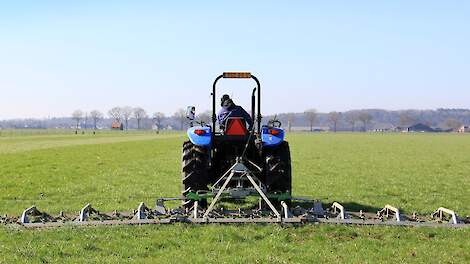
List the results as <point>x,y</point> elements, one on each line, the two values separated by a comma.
<point>200,139</point>
<point>272,136</point>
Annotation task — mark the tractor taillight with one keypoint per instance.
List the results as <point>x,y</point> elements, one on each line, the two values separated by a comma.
<point>199,132</point>
<point>274,132</point>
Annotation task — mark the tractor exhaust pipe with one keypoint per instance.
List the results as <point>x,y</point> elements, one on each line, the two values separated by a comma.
<point>253,103</point>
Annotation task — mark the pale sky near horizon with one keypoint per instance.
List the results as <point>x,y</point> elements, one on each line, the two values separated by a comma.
<point>58,56</point>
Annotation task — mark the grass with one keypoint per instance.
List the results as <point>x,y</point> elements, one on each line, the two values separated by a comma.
<point>60,172</point>
<point>236,244</point>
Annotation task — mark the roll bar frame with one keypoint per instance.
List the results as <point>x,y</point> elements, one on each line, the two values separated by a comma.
<point>258,88</point>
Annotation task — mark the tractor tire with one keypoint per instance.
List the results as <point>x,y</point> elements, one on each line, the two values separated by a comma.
<point>195,166</point>
<point>278,169</point>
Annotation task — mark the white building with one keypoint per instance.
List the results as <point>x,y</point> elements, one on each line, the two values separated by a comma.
<point>464,129</point>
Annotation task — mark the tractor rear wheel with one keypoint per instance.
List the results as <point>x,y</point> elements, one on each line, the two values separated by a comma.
<point>195,166</point>
<point>278,169</point>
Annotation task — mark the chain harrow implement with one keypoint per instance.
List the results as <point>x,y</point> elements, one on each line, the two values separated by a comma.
<point>306,211</point>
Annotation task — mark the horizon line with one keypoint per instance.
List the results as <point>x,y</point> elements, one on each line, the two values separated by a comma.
<point>272,114</point>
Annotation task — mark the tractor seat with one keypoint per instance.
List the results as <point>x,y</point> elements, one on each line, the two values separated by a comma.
<point>235,126</point>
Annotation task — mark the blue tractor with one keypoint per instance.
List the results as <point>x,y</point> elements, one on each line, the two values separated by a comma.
<point>212,150</point>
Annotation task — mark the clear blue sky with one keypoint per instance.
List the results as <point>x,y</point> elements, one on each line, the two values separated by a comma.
<point>58,56</point>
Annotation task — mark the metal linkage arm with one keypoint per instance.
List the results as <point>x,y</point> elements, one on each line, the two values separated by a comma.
<point>240,169</point>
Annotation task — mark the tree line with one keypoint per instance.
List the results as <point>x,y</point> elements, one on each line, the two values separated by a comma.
<point>369,119</point>
<point>333,119</point>
<point>122,115</point>
<point>126,114</point>
<point>353,120</point>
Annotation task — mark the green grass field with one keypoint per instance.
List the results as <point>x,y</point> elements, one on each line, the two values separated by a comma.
<point>114,171</point>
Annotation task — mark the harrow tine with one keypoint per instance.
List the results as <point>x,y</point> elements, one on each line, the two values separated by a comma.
<point>338,207</point>
<point>24,216</point>
<point>39,217</point>
<point>85,213</point>
<point>439,214</point>
<point>141,212</point>
<point>386,212</point>
<point>195,213</point>
<point>285,210</point>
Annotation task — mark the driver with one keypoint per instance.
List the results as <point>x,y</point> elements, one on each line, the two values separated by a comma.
<point>230,109</point>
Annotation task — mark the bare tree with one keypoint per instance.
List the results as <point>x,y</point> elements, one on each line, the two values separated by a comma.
<point>158,119</point>
<point>116,114</point>
<point>365,118</point>
<point>290,121</point>
<point>126,115</point>
<point>452,123</point>
<point>428,123</point>
<point>77,115</point>
<point>180,115</point>
<point>311,115</point>
<point>85,125</point>
<point>334,118</point>
<point>139,114</point>
<point>351,119</point>
<point>406,120</point>
<point>205,117</point>
<point>96,116</point>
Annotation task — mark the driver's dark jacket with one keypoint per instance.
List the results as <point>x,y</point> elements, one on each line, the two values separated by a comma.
<point>234,111</point>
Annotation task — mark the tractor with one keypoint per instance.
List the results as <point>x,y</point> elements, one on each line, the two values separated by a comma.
<point>212,151</point>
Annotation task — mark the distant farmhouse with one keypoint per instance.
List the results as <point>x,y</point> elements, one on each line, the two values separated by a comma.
<point>385,128</point>
<point>314,129</point>
<point>117,126</point>
<point>420,128</point>
<point>414,128</point>
<point>464,129</point>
